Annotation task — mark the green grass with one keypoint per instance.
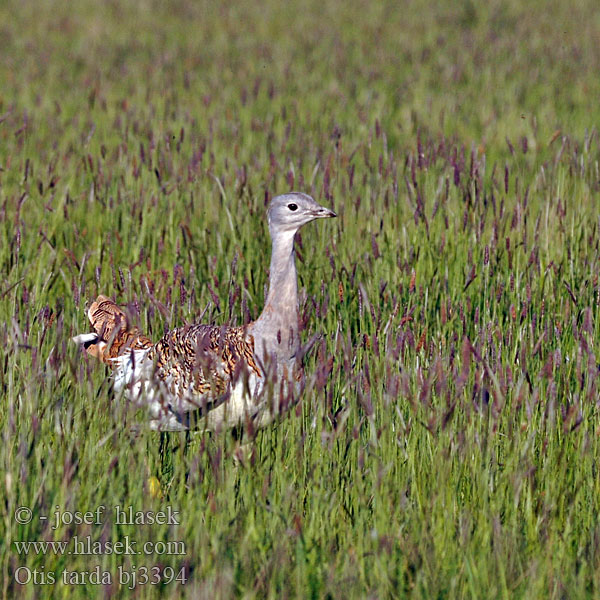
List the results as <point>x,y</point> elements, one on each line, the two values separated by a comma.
<point>447,443</point>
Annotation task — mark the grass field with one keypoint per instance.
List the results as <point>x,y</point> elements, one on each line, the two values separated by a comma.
<point>447,444</point>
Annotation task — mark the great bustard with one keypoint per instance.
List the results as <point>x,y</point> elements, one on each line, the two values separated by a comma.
<point>211,377</point>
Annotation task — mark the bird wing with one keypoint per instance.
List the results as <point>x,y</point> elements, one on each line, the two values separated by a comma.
<point>201,362</point>
<point>191,369</point>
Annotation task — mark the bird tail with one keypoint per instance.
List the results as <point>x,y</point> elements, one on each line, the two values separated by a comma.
<point>113,333</point>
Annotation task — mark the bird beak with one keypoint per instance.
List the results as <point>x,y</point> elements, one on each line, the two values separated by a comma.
<point>324,213</point>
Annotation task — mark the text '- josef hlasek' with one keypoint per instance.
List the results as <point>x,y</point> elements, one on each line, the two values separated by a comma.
<point>121,516</point>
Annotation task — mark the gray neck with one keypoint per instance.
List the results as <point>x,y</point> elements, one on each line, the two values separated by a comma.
<point>276,330</point>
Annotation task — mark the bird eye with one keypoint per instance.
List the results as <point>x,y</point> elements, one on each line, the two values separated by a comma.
<point>293,206</point>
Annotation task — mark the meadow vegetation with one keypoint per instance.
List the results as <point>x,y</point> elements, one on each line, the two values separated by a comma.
<point>447,443</point>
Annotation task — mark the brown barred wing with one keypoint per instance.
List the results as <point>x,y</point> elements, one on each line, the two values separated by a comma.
<point>203,359</point>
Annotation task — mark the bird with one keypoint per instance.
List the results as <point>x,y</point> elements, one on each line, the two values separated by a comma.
<point>211,377</point>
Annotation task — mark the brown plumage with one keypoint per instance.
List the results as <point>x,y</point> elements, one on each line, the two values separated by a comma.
<point>203,358</point>
<point>195,358</point>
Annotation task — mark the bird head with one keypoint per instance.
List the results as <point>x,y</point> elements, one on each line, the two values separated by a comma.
<point>288,212</point>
